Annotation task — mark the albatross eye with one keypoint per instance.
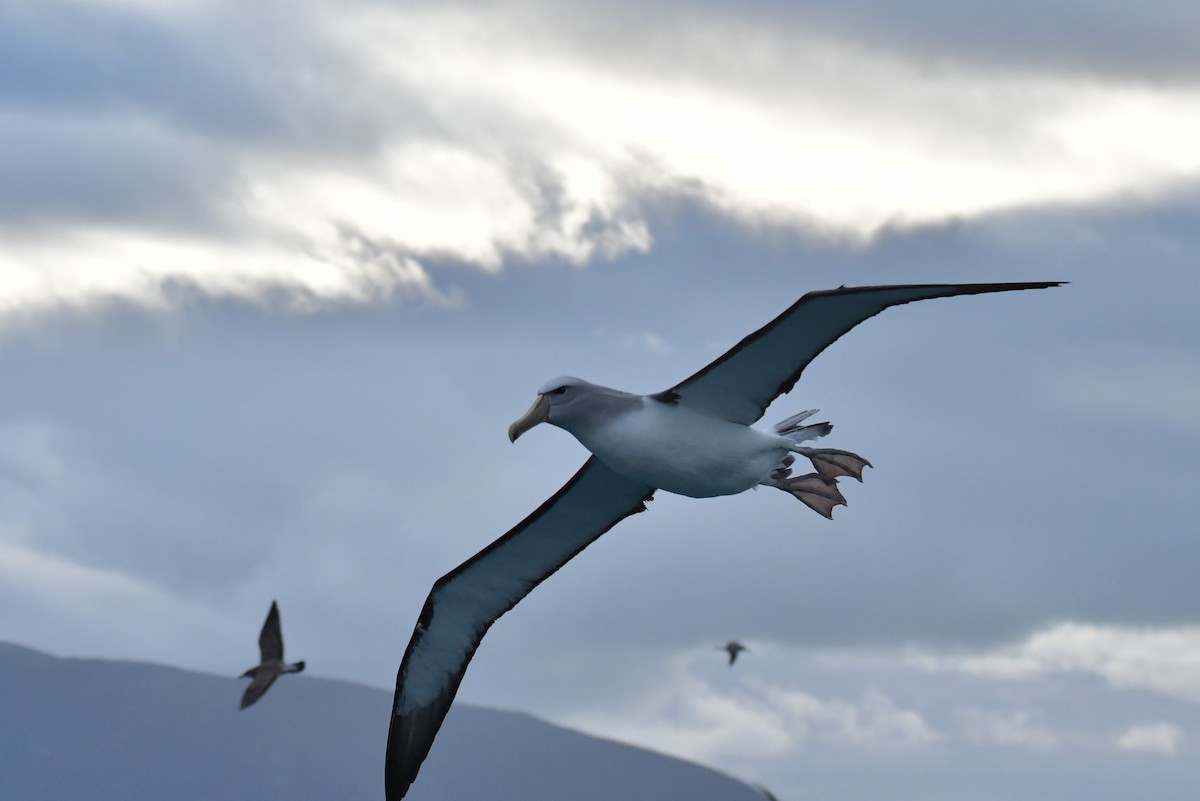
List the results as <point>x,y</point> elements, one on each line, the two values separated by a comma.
<point>559,391</point>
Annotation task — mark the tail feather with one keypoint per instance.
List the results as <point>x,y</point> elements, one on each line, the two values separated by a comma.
<point>783,426</point>
<point>793,429</point>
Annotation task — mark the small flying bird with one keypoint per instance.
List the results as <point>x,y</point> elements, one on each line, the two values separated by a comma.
<point>733,647</point>
<point>271,664</point>
<point>693,439</point>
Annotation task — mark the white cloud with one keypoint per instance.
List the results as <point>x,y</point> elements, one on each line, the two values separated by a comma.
<point>809,131</point>
<point>639,342</point>
<point>872,719</point>
<point>105,263</point>
<point>1164,660</point>
<point>1162,738</point>
<point>540,136</point>
<point>696,719</point>
<point>148,6</point>
<point>989,727</point>
<point>73,608</point>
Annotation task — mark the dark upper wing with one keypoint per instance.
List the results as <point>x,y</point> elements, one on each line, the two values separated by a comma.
<point>261,682</point>
<point>741,384</point>
<point>270,639</point>
<point>465,602</point>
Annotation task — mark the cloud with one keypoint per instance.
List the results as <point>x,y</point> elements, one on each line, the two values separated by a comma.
<point>70,607</point>
<point>711,719</point>
<point>1087,37</point>
<point>363,144</point>
<point>872,720</point>
<point>1004,728</point>
<point>638,342</point>
<point>811,150</point>
<point>1162,738</point>
<point>1163,660</point>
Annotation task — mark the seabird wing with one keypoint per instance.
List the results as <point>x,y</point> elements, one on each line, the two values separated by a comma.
<point>258,686</point>
<point>766,364</point>
<point>465,602</point>
<point>270,639</point>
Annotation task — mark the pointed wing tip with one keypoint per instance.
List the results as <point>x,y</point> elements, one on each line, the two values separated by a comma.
<point>757,386</point>
<point>257,689</point>
<point>410,737</point>
<point>400,766</point>
<point>982,286</point>
<point>270,639</point>
<point>413,730</point>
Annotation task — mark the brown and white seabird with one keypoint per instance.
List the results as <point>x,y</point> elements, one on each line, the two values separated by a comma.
<point>733,648</point>
<point>271,665</point>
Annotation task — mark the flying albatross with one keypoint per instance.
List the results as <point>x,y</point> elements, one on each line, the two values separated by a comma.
<point>271,665</point>
<point>693,439</point>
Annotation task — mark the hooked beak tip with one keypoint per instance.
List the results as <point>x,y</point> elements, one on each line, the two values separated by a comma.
<point>539,412</point>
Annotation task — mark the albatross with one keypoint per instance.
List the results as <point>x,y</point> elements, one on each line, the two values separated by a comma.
<point>693,439</point>
<point>270,664</point>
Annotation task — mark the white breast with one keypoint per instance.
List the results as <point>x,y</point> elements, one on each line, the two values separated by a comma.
<point>677,450</point>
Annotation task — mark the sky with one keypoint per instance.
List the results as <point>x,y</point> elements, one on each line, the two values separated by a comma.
<point>276,277</point>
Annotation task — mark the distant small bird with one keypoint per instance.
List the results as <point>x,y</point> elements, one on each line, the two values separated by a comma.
<point>733,647</point>
<point>271,664</point>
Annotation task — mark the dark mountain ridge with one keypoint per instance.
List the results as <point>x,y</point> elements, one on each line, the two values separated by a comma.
<point>128,731</point>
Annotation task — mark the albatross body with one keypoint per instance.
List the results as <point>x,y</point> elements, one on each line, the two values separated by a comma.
<point>660,442</point>
<point>656,440</point>
<point>694,439</point>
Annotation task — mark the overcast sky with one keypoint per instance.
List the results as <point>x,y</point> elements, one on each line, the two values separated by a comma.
<point>276,276</point>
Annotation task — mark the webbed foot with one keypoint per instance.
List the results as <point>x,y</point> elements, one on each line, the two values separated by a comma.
<point>833,463</point>
<point>815,491</point>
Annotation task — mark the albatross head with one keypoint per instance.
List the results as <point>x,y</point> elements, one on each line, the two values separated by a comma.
<point>572,403</point>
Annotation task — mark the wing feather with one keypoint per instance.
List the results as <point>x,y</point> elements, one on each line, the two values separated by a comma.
<point>258,686</point>
<point>270,639</point>
<point>740,385</point>
<point>465,602</point>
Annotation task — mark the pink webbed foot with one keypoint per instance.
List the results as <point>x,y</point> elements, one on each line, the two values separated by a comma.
<point>833,463</point>
<point>815,491</point>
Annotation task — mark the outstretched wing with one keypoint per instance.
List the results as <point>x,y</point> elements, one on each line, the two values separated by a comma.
<point>261,682</point>
<point>465,602</point>
<point>270,639</point>
<point>766,364</point>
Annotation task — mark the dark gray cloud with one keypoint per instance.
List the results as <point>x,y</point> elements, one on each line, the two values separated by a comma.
<point>119,115</point>
<point>1145,43</point>
<point>104,172</point>
<point>235,73</point>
